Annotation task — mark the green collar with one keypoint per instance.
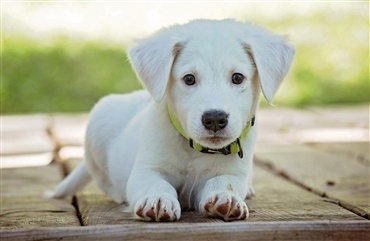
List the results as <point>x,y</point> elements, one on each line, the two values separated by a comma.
<point>234,148</point>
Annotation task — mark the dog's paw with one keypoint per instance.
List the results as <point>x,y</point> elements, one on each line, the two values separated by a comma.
<point>224,205</point>
<point>160,208</point>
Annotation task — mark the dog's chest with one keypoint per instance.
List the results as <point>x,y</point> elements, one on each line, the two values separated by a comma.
<point>198,169</point>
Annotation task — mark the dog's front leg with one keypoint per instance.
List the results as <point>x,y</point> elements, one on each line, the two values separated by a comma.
<point>153,198</point>
<point>220,198</point>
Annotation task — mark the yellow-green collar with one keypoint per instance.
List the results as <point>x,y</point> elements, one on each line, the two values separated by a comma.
<point>234,148</point>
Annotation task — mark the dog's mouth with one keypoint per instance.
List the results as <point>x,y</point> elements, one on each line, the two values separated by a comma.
<point>215,142</point>
<point>216,139</point>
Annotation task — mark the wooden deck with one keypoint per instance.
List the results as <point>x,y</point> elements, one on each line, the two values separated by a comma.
<point>311,178</point>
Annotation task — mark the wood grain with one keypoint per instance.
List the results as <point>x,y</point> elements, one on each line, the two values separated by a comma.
<point>22,135</point>
<point>333,175</point>
<point>313,191</point>
<point>69,129</point>
<point>295,231</point>
<point>22,202</point>
<point>28,142</point>
<point>280,200</point>
<point>359,151</point>
<point>276,200</point>
<point>279,125</point>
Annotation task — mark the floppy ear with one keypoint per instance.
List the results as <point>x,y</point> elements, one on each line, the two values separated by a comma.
<point>273,56</point>
<point>152,60</point>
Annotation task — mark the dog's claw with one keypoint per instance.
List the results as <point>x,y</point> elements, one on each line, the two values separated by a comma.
<point>226,206</point>
<point>155,208</point>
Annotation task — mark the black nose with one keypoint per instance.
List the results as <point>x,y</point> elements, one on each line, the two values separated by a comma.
<point>215,120</point>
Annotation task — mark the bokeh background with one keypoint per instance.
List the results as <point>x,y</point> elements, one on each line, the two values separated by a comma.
<point>64,56</point>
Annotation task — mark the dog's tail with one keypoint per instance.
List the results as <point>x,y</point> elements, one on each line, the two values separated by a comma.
<point>76,180</point>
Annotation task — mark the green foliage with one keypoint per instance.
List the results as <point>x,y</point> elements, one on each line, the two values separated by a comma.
<point>331,66</point>
<point>65,76</point>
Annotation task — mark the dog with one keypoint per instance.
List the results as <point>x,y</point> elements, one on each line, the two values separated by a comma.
<point>187,141</point>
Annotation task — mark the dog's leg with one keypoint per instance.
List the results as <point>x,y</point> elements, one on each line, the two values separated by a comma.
<point>153,198</point>
<point>219,198</point>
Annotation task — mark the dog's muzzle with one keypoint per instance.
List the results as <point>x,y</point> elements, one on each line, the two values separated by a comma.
<point>234,148</point>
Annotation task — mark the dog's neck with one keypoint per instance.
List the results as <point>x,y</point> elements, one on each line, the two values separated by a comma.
<point>234,148</point>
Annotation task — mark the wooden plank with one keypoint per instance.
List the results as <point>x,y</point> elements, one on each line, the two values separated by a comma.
<point>22,202</point>
<point>25,135</point>
<point>283,125</point>
<point>71,152</point>
<point>355,116</point>
<point>69,130</point>
<point>343,180</point>
<point>276,200</point>
<point>295,231</point>
<point>27,142</point>
<point>24,123</point>
<point>359,151</point>
<point>280,200</point>
<point>26,160</point>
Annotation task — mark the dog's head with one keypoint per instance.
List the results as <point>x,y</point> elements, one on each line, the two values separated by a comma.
<point>211,73</point>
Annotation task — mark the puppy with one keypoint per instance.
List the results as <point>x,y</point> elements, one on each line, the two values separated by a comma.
<point>187,141</point>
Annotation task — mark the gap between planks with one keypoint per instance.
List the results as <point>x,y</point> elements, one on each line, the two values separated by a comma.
<point>265,164</point>
<point>57,158</point>
<point>74,202</point>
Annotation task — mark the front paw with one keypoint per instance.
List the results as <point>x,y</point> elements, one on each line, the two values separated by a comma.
<point>224,205</point>
<point>158,208</point>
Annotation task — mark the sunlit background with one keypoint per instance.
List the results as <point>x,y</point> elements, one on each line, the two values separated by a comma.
<point>64,56</point>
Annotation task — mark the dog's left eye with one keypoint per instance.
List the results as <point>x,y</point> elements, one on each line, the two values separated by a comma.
<point>237,78</point>
<point>189,79</point>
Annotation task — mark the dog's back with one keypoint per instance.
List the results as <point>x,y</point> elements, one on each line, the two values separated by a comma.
<point>111,115</point>
<point>108,120</point>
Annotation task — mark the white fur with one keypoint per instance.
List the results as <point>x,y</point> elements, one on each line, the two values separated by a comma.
<point>134,152</point>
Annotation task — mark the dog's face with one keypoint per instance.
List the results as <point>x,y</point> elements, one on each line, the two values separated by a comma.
<point>211,73</point>
<point>212,88</point>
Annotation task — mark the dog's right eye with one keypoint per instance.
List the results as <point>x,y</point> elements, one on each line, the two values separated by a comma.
<point>189,79</point>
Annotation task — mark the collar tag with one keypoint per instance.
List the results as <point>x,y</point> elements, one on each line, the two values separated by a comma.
<point>240,152</point>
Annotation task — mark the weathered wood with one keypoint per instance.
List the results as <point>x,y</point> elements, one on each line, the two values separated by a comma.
<point>27,142</point>
<point>280,200</point>
<point>317,230</point>
<point>24,139</point>
<point>343,116</point>
<point>353,150</point>
<point>286,126</point>
<point>71,152</point>
<point>69,129</point>
<point>26,160</point>
<point>301,189</point>
<point>22,202</point>
<point>24,123</point>
<point>276,200</point>
<point>331,175</point>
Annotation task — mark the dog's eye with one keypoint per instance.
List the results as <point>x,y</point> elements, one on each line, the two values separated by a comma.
<point>189,79</point>
<point>237,78</point>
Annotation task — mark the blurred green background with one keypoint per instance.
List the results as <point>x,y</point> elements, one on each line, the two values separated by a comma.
<point>66,73</point>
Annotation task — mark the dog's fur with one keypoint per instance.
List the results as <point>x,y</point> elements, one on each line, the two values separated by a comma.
<point>133,150</point>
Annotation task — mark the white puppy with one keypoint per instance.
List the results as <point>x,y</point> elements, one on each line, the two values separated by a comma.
<point>192,147</point>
